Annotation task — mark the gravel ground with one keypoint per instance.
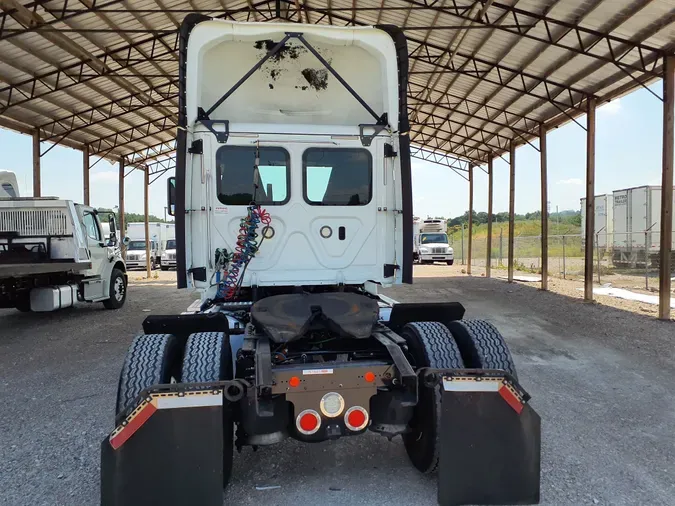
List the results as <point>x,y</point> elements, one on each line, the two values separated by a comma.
<point>601,379</point>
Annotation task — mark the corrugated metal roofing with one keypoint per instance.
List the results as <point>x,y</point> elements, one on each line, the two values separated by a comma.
<point>483,73</point>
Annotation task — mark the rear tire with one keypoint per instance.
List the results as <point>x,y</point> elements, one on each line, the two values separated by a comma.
<point>152,359</point>
<point>482,346</point>
<point>164,268</point>
<point>450,262</point>
<point>431,345</point>
<point>208,357</point>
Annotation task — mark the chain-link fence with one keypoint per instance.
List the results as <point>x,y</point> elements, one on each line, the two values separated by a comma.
<point>629,260</point>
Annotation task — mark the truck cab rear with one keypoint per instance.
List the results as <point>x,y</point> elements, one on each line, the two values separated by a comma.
<point>293,205</point>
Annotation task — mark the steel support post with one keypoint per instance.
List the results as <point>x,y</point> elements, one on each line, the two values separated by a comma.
<point>667,188</point>
<point>590,199</point>
<point>468,264</point>
<point>488,255</point>
<point>544,207</point>
<point>85,174</point>
<point>512,209</point>
<point>37,183</point>
<point>121,206</point>
<point>146,187</point>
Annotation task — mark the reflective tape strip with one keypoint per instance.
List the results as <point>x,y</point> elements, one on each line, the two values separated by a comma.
<point>510,397</point>
<point>462,385</point>
<point>132,426</point>
<point>189,401</point>
<point>147,408</point>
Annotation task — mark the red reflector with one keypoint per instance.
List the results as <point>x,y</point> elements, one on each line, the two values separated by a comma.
<point>369,377</point>
<point>356,418</point>
<point>294,381</point>
<point>511,399</point>
<point>308,422</point>
<point>134,424</point>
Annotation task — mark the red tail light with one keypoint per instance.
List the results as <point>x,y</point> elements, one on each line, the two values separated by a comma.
<point>356,418</point>
<point>308,422</point>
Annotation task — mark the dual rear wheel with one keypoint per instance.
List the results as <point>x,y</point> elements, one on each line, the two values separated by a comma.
<point>472,344</point>
<point>155,359</point>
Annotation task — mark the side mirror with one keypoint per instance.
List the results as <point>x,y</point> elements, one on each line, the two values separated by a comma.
<point>112,224</point>
<point>126,241</point>
<point>171,196</point>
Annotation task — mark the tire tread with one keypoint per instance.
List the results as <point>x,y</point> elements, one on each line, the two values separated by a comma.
<point>144,366</point>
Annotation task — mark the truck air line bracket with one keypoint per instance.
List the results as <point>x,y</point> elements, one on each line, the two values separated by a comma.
<point>204,116</point>
<point>490,443</point>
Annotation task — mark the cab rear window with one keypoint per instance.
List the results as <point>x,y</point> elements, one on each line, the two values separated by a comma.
<point>337,176</point>
<point>235,174</point>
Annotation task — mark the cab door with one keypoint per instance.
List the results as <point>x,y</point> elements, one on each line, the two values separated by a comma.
<point>98,253</point>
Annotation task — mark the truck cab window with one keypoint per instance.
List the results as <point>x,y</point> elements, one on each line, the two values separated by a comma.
<point>235,175</point>
<point>434,238</point>
<point>91,227</point>
<point>136,245</point>
<point>337,177</point>
<point>9,189</point>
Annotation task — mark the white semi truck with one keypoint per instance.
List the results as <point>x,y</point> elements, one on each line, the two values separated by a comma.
<point>53,253</point>
<point>293,208</point>
<point>430,242</point>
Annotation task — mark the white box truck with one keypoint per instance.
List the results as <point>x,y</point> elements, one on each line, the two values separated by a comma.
<point>136,251</point>
<point>431,242</point>
<point>604,221</point>
<point>168,258</point>
<point>637,226</point>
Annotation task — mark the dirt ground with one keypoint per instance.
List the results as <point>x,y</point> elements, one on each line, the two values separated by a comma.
<point>600,377</point>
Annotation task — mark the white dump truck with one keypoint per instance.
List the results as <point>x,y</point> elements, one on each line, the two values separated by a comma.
<point>53,254</point>
<point>293,209</point>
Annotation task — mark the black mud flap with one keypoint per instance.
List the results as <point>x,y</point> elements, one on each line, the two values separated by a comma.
<point>168,451</point>
<point>490,441</point>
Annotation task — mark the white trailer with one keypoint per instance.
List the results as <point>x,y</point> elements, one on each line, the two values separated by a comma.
<point>53,253</point>
<point>604,221</point>
<point>637,226</point>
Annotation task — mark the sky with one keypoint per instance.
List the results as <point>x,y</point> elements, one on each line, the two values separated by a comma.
<point>628,154</point>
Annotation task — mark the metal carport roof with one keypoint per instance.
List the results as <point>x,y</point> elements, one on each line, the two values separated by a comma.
<point>102,75</point>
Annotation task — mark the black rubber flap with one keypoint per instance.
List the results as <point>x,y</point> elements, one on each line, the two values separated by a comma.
<point>174,458</point>
<point>490,454</point>
<point>288,317</point>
